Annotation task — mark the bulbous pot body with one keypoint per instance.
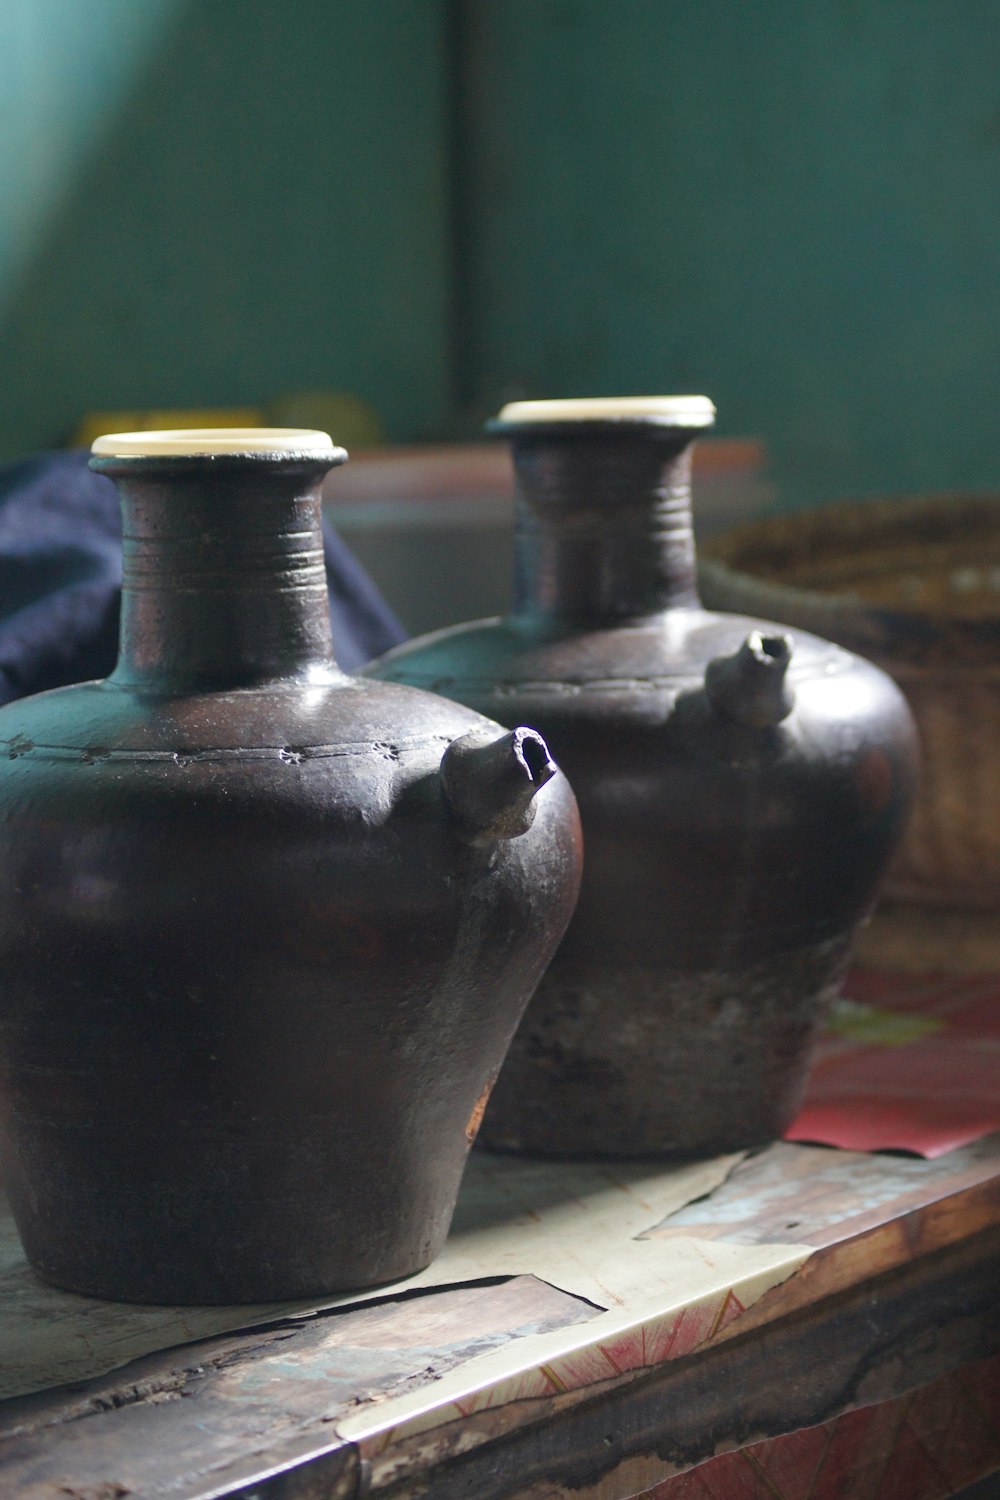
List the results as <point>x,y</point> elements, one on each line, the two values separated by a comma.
<point>741,788</point>
<point>258,968</point>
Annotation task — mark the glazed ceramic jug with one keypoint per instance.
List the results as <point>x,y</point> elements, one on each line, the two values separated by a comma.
<point>741,788</point>
<point>265,930</point>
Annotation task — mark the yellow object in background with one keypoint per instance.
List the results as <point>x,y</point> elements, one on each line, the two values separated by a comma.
<point>857,1022</point>
<point>350,421</point>
<point>96,423</point>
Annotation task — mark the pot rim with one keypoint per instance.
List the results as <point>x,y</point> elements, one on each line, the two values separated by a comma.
<point>227,442</point>
<point>687,413</point>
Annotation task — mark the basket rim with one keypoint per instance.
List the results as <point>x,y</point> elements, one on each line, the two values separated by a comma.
<point>830,529</point>
<point>855,515</point>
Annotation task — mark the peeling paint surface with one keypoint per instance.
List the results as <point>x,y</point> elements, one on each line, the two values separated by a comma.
<point>572,1226</point>
<point>571,1302</point>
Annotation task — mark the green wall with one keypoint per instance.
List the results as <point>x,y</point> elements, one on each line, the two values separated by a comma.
<point>791,206</point>
<point>438,204</point>
<point>216,201</point>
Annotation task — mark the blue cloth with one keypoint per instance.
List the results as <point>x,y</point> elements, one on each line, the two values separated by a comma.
<point>61,573</point>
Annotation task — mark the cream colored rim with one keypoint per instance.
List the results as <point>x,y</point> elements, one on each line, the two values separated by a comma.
<point>669,411</point>
<point>202,441</point>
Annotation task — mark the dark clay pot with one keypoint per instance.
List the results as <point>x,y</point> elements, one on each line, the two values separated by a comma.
<point>265,930</point>
<point>741,788</point>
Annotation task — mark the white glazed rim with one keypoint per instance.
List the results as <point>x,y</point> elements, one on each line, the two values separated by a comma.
<point>667,411</point>
<point>201,442</point>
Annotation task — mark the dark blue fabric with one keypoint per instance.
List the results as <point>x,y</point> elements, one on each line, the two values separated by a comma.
<point>61,573</point>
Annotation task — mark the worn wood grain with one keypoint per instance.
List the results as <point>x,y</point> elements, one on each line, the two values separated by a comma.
<point>176,1423</point>
<point>920,1446</point>
<point>819,1195</point>
<point>896,1332</point>
<point>902,1287</point>
<point>866,1214</point>
<point>902,1211</point>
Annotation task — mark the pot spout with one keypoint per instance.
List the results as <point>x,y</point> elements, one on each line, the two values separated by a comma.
<point>489,782</point>
<point>751,686</point>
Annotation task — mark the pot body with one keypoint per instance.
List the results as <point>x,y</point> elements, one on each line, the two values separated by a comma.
<point>733,846</point>
<point>257,975</point>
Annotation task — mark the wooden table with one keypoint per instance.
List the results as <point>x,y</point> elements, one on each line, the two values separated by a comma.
<point>625,1337</point>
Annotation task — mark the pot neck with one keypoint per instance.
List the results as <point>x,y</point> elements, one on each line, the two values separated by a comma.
<point>224,579</point>
<point>602,523</point>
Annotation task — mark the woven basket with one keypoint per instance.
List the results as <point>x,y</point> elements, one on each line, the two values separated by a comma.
<point>914,585</point>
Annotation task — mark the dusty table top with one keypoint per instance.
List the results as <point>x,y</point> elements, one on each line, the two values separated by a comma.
<point>586,1325</point>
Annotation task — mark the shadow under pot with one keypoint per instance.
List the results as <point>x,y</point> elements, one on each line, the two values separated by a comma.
<point>265,930</point>
<point>741,787</point>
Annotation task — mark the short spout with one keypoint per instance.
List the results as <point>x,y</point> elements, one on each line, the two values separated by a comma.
<point>490,781</point>
<point>751,686</point>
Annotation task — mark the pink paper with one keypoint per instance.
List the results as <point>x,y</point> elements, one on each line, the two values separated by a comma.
<point>910,1063</point>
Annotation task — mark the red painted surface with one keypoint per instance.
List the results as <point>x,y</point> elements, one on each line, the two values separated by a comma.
<point>926,1093</point>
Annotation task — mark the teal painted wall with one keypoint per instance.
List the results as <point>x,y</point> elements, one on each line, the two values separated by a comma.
<point>791,206</point>
<point>215,201</point>
<point>54,110</point>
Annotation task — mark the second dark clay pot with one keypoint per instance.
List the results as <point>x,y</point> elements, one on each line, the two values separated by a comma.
<point>741,788</point>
